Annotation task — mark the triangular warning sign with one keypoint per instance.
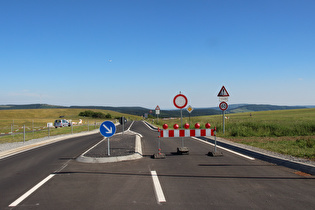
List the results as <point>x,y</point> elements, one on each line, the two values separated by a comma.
<point>157,107</point>
<point>223,92</point>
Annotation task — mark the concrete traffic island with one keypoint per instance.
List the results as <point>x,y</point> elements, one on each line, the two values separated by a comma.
<point>123,147</point>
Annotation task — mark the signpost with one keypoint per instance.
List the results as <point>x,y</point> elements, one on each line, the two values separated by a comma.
<point>189,110</point>
<point>108,129</point>
<point>223,98</point>
<point>157,112</point>
<point>122,122</point>
<point>180,101</point>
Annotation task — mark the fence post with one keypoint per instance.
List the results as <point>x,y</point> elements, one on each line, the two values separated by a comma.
<point>24,134</point>
<point>48,131</point>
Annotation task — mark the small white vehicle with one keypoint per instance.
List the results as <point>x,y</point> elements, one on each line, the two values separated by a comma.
<point>61,123</point>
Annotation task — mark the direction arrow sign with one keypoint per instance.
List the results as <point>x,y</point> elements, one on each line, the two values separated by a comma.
<point>108,129</point>
<point>223,92</point>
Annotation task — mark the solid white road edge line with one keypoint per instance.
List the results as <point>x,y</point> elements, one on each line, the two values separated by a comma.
<point>157,187</point>
<point>239,154</point>
<point>28,193</point>
<point>147,125</point>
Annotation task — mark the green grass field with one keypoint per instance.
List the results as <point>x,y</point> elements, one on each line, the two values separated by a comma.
<point>35,121</point>
<point>290,132</point>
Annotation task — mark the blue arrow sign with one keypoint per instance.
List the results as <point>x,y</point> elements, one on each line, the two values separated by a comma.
<point>107,128</point>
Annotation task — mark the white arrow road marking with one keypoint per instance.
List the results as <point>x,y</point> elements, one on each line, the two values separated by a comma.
<point>108,130</point>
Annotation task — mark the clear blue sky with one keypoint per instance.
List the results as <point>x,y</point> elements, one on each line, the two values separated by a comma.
<point>143,52</point>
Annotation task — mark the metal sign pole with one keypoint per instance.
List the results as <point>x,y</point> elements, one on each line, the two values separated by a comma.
<point>159,145</point>
<point>24,134</point>
<point>215,139</point>
<point>123,124</point>
<point>181,122</point>
<point>223,122</point>
<point>108,150</point>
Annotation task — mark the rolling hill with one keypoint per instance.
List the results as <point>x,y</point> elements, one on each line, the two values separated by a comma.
<point>233,108</point>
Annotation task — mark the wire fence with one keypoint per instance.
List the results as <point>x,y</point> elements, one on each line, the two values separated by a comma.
<point>27,130</point>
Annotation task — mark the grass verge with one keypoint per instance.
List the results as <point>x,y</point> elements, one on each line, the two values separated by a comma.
<point>289,132</point>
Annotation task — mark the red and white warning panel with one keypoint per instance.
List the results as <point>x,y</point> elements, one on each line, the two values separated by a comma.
<point>186,133</point>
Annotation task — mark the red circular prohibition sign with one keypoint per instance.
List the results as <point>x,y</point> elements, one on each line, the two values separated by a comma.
<point>180,101</point>
<point>223,106</point>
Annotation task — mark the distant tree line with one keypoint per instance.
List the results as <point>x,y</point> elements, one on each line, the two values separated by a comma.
<point>89,113</point>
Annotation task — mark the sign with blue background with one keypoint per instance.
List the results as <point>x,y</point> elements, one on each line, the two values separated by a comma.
<point>108,128</point>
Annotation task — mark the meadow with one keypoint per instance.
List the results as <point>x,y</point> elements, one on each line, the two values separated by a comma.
<point>290,132</point>
<point>35,122</point>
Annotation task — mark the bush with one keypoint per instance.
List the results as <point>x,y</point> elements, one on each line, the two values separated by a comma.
<point>92,114</point>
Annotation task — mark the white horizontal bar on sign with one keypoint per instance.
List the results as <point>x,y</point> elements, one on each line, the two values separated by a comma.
<point>187,133</point>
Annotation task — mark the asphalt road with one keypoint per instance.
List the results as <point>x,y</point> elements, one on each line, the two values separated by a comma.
<point>194,181</point>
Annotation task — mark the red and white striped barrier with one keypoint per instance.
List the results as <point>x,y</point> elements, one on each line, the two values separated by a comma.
<point>186,133</point>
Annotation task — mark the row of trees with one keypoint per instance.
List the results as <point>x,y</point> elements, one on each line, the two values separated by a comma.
<point>89,113</point>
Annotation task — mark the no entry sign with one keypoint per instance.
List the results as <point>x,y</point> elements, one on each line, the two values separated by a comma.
<point>180,101</point>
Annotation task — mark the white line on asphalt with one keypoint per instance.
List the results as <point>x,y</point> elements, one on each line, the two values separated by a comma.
<point>93,146</point>
<point>239,154</point>
<point>28,193</point>
<point>146,123</point>
<point>130,125</point>
<point>157,187</point>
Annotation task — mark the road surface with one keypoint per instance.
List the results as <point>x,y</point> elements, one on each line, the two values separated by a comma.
<point>194,181</point>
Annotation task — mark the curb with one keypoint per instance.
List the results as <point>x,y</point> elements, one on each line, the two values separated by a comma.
<point>304,167</point>
<point>150,126</point>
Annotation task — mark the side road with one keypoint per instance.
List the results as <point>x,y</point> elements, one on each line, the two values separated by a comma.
<point>124,146</point>
<point>9,149</point>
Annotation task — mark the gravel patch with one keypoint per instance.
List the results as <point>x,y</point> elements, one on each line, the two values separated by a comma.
<point>120,145</point>
<point>14,145</point>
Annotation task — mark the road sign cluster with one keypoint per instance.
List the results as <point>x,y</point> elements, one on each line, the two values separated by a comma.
<point>157,110</point>
<point>223,98</point>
